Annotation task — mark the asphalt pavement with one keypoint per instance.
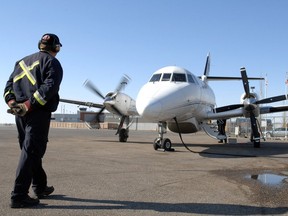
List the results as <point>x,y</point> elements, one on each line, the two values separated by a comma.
<point>94,174</point>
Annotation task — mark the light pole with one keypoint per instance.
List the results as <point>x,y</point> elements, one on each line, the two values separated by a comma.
<point>286,85</point>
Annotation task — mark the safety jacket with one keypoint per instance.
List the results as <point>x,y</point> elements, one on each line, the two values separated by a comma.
<point>36,78</point>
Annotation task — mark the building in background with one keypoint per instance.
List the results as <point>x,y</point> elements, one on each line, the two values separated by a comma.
<point>87,119</point>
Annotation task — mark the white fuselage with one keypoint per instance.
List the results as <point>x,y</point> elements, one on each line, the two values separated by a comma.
<point>174,92</point>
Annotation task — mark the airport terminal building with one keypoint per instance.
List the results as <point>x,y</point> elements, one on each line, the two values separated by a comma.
<point>87,119</point>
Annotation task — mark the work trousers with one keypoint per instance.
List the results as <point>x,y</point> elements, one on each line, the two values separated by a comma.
<point>33,129</point>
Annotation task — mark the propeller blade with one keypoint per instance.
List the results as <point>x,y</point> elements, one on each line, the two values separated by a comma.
<point>245,82</point>
<point>229,107</point>
<point>278,109</point>
<point>88,84</point>
<point>272,99</point>
<point>124,81</point>
<point>99,113</point>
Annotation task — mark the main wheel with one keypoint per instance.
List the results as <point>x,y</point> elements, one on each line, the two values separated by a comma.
<point>167,144</point>
<point>123,135</point>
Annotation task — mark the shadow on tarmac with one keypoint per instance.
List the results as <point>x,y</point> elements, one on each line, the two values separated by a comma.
<point>197,208</point>
<point>267,149</point>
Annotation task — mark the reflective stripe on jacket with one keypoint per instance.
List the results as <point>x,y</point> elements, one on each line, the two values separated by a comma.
<point>37,78</point>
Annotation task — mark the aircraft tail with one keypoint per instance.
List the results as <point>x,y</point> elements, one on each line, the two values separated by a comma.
<point>207,66</point>
<point>205,77</point>
<point>206,69</point>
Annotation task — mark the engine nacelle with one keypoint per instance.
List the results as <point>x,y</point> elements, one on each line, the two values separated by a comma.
<point>120,103</point>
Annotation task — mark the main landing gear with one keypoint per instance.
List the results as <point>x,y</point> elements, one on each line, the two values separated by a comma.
<point>123,132</point>
<point>123,135</point>
<point>160,142</point>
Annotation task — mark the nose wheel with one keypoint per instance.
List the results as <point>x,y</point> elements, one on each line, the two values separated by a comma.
<point>163,144</point>
<point>160,143</point>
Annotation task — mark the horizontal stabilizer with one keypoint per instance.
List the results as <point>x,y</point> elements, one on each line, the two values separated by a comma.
<point>220,78</point>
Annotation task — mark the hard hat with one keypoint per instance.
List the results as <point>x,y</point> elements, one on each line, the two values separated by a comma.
<point>50,42</point>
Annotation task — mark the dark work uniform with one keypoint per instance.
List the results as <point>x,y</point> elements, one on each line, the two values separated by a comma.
<point>221,128</point>
<point>35,78</point>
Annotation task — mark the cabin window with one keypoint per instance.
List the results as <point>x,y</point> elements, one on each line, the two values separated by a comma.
<point>179,77</point>
<point>155,78</point>
<point>166,76</point>
<point>190,78</point>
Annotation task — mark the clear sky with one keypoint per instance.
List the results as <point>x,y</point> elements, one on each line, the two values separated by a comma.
<point>104,39</point>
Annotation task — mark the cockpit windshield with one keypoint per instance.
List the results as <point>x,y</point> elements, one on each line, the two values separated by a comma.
<point>176,77</point>
<point>190,78</point>
<point>155,78</point>
<point>166,77</point>
<point>179,77</point>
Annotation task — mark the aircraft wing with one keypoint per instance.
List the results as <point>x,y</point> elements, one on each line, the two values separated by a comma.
<point>83,103</point>
<point>239,112</point>
<point>225,115</point>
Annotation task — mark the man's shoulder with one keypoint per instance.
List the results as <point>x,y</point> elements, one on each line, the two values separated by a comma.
<point>32,56</point>
<point>42,57</point>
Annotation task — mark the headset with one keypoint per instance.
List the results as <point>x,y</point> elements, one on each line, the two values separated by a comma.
<point>51,42</point>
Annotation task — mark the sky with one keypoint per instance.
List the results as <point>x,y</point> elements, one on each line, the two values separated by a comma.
<point>104,39</point>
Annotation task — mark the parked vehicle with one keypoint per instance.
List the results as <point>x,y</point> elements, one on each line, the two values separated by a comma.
<point>277,132</point>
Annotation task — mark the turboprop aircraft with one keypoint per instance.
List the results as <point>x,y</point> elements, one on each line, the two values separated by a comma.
<point>177,99</point>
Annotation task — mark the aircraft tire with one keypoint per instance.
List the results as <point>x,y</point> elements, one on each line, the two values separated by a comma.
<point>167,144</point>
<point>123,135</point>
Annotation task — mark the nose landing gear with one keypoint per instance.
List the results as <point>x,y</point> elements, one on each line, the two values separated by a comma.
<point>161,143</point>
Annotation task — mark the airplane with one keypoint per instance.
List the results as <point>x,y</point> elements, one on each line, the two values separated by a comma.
<point>183,102</point>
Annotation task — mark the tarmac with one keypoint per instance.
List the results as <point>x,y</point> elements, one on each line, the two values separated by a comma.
<point>94,174</point>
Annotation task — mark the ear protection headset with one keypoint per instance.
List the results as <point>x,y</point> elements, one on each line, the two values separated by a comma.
<point>50,42</point>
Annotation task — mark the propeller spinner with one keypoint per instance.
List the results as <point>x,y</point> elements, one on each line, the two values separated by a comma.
<point>109,98</point>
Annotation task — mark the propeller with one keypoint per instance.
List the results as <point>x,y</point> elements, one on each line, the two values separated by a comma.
<point>110,96</point>
<point>272,99</point>
<point>228,108</point>
<point>123,82</point>
<point>250,106</point>
<point>250,103</point>
<point>245,82</point>
<point>88,84</point>
<point>249,95</point>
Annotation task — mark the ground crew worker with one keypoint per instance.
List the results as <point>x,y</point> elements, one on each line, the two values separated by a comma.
<point>221,129</point>
<point>31,93</point>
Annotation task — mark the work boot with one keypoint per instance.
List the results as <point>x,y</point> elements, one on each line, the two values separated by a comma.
<point>24,203</point>
<point>48,190</point>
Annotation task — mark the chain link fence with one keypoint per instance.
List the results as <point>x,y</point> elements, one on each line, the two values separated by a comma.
<point>271,127</point>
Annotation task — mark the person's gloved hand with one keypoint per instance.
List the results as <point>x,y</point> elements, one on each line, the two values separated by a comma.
<point>12,103</point>
<point>19,109</point>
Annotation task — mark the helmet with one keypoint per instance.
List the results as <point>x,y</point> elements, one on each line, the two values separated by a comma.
<point>49,42</point>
